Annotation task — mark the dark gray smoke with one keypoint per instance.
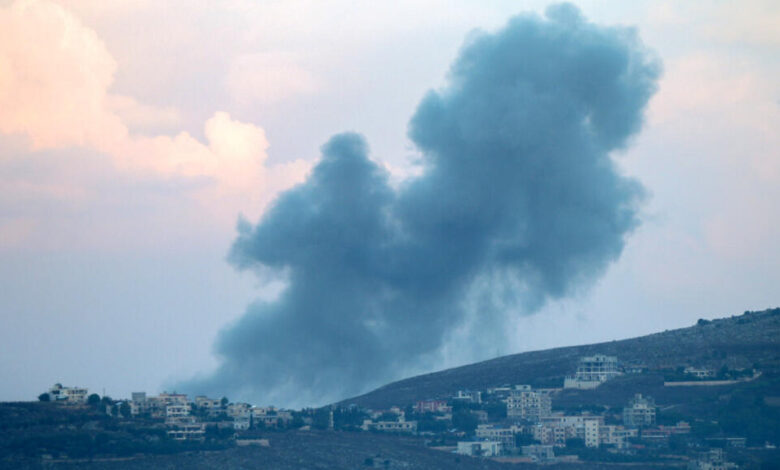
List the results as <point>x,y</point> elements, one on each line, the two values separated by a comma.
<point>519,203</point>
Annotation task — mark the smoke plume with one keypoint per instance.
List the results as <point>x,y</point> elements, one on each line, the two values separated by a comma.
<point>519,202</point>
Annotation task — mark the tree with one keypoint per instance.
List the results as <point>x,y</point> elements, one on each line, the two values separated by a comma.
<point>125,410</point>
<point>575,443</point>
<point>93,400</point>
<point>522,439</point>
<point>224,402</point>
<point>321,418</point>
<point>465,421</point>
<point>44,397</point>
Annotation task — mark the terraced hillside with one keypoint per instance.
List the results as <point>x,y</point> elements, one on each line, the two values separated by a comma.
<point>745,341</point>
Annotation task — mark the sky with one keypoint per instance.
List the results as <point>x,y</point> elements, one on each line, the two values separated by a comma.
<point>134,133</point>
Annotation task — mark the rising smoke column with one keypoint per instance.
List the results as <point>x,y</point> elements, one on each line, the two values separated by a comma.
<point>518,195</point>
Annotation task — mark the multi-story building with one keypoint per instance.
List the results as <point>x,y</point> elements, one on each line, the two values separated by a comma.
<point>207,403</point>
<point>190,430</point>
<point>270,416</point>
<point>553,434</point>
<point>527,404</point>
<point>617,436</point>
<point>138,403</point>
<point>479,448</point>
<point>157,406</point>
<point>176,411</point>
<point>69,395</point>
<point>242,423</point>
<point>699,372</point>
<point>592,371</point>
<point>235,410</point>
<point>590,432</point>
<point>400,426</point>
<point>639,412</point>
<point>432,406</point>
<point>555,430</point>
<point>711,460</point>
<point>539,453</point>
<point>504,435</point>
<point>172,399</point>
<point>501,392</point>
<point>468,396</point>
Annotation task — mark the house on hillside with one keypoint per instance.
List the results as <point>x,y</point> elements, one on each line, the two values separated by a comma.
<point>699,372</point>
<point>527,404</point>
<point>479,448</point>
<point>503,434</point>
<point>593,371</point>
<point>69,395</point>
<point>400,426</point>
<point>640,412</point>
<point>539,453</point>
<point>468,396</point>
<point>432,406</point>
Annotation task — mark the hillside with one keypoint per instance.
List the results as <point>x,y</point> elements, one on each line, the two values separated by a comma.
<point>745,341</point>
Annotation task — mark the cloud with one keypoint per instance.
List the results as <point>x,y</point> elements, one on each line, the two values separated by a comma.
<point>54,76</point>
<point>518,202</point>
<point>268,78</point>
<point>143,118</point>
<point>55,79</point>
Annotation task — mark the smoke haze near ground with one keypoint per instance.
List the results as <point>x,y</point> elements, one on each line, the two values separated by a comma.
<point>519,202</point>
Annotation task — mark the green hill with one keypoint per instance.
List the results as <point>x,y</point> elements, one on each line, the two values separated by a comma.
<point>751,340</point>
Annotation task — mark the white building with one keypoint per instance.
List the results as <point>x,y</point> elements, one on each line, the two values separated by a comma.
<point>553,434</point>
<point>270,416</point>
<point>468,396</point>
<point>525,403</point>
<point>479,448</point>
<point>700,373</point>
<point>639,412</point>
<point>591,432</point>
<point>617,436</point>
<point>554,430</point>
<point>592,371</point>
<point>235,410</point>
<point>69,395</point>
<point>539,453</point>
<point>207,403</point>
<point>176,411</point>
<point>172,399</point>
<point>711,460</point>
<point>400,426</point>
<point>242,423</point>
<point>432,406</point>
<point>187,431</point>
<point>502,434</point>
<point>138,403</point>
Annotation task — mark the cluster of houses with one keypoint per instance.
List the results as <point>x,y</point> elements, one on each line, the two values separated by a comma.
<point>529,414</point>
<point>184,419</point>
<point>529,427</point>
<point>188,419</point>
<point>531,421</point>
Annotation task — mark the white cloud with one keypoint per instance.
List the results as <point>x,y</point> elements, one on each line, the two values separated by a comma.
<point>55,75</point>
<point>143,118</point>
<point>268,77</point>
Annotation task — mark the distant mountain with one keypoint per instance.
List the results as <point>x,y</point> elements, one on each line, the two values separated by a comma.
<point>751,340</point>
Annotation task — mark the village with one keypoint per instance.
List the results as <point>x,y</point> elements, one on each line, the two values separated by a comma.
<point>511,423</point>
